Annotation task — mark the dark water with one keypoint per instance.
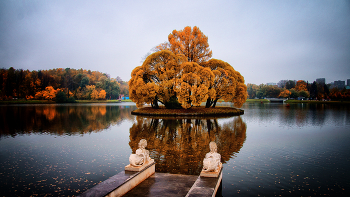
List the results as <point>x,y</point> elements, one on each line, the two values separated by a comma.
<point>271,150</point>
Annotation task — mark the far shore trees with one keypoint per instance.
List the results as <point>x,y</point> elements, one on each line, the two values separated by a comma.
<point>302,90</point>
<point>46,84</point>
<point>180,74</point>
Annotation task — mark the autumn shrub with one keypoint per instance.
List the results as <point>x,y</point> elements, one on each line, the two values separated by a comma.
<point>284,94</point>
<point>61,97</point>
<point>30,97</point>
<point>48,94</point>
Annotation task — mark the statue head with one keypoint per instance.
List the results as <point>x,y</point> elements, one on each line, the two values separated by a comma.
<point>143,143</point>
<point>213,147</point>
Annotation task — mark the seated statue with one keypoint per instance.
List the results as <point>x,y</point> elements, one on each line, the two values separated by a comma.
<point>142,155</point>
<point>212,159</point>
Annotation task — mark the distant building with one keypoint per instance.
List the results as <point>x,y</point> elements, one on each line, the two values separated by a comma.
<point>271,84</point>
<point>331,85</point>
<point>347,84</point>
<point>321,81</point>
<point>339,84</point>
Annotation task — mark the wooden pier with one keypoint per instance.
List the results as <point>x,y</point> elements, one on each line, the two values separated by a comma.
<point>164,184</point>
<point>160,184</point>
<point>142,180</point>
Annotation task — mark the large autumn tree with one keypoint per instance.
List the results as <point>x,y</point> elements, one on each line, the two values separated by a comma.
<point>228,84</point>
<point>181,71</point>
<point>190,42</point>
<point>154,81</point>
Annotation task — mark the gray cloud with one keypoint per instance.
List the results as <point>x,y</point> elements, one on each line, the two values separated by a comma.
<point>264,40</point>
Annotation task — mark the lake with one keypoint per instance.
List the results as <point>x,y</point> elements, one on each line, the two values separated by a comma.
<point>271,150</point>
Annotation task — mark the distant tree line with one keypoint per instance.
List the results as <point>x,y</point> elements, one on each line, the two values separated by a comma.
<point>293,90</point>
<point>62,85</point>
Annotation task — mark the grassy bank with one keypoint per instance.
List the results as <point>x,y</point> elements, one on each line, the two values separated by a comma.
<point>26,102</point>
<point>127,100</point>
<point>97,101</point>
<point>257,100</point>
<point>194,111</point>
<point>103,101</point>
<point>301,101</point>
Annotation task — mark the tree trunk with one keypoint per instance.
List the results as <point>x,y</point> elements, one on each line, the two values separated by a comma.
<point>216,100</point>
<point>208,103</point>
<point>155,103</point>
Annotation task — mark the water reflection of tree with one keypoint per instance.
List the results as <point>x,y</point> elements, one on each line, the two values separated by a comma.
<point>180,145</point>
<point>61,119</point>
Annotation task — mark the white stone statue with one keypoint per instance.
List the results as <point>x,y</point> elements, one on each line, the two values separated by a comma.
<point>212,160</point>
<point>142,155</point>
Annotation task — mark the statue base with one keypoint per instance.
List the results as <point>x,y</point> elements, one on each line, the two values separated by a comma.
<point>138,168</point>
<point>213,173</point>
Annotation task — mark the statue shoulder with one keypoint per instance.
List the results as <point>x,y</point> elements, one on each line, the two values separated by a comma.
<point>139,151</point>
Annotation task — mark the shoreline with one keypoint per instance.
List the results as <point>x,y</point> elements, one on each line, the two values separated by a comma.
<point>194,111</point>
<point>121,101</point>
<point>300,101</point>
<point>53,102</point>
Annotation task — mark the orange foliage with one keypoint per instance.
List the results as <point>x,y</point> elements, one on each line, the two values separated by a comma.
<point>190,42</point>
<point>164,75</point>
<point>285,94</point>
<point>29,97</point>
<point>102,95</point>
<point>228,84</point>
<point>192,87</point>
<point>49,93</point>
<point>25,84</point>
<point>155,79</point>
<point>180,72</point>
<point>301,85</point>
<point>94,94</point>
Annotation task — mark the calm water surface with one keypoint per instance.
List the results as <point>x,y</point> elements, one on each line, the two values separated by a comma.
<point>271,150</point>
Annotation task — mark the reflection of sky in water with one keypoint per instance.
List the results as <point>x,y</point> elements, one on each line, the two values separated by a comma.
<point>297,151</point>
<point>56,162</point>
<point>301,150</point>
<point>44,163</point>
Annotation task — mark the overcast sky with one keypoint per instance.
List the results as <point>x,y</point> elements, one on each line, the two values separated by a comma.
<point>266,41</point>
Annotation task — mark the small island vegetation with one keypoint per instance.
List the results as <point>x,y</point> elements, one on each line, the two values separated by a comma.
<point>180,76</point>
